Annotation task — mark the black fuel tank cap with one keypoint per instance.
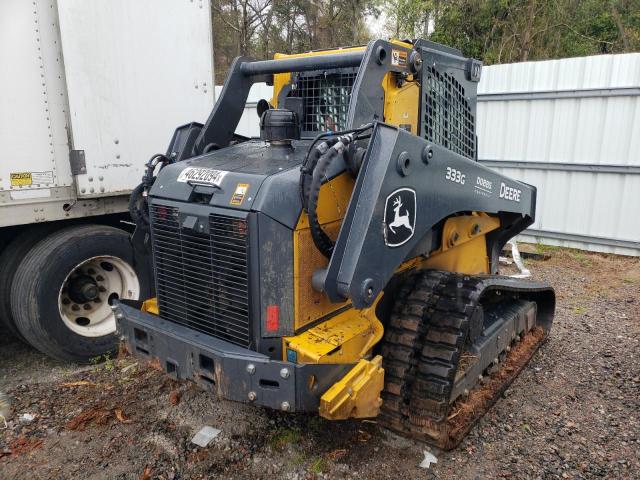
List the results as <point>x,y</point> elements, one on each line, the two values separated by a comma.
<point>278,125</point>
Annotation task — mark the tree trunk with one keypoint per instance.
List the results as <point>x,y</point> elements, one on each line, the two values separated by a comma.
<point>528,30</point>
<point>620,25</point>
<point>354,18</point>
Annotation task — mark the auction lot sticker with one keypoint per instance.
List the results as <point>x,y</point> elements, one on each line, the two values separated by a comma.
<point>202,175</point>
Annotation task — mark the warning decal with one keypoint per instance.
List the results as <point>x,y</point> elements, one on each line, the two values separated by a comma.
<point>25,179</point>
<point>399,58</point>
<point>238,196</point>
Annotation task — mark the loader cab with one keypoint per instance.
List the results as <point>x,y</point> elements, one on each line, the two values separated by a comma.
<point>427,89</point>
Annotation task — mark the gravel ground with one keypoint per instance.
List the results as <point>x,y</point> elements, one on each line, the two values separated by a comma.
<point>573,413</point>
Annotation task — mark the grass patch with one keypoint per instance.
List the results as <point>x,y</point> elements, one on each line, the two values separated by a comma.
<point>284,437</point>
<point>629,280</point>
<point>319,465</point>
<point>580,310</point>
<point>526,428</point>
<point>543,249</point>
<point>580,256</point>
<point>298,459</point>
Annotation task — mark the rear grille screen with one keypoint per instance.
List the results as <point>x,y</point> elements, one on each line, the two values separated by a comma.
<point>202,280</point>
<point>448,119</point>
<point>326,100</point>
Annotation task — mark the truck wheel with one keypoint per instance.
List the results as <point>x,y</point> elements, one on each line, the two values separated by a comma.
<point>10,258</point>
<point>62,291</point>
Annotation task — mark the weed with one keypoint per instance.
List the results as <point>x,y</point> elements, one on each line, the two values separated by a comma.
<point>299,459</point>
<point>283,438</point>
<point>95,360</point>
<point>546,249</point>
<point>628,280</point>
<point>108,363</point>
<point>581,257</point>
<point>319,465</point>
<point>579,310</point>
<point>105,359</point>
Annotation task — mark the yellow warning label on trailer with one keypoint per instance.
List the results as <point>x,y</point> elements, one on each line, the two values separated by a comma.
<point>25,179</point>
<point>20,179</point>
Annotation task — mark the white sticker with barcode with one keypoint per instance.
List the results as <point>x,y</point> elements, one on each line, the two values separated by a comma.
<point>208,176</point>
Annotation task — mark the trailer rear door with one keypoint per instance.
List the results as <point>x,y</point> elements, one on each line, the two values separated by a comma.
<point>135,70</point>
<point>35,155</point>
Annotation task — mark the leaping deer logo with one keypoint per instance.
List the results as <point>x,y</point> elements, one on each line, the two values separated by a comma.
<point>400,220</point>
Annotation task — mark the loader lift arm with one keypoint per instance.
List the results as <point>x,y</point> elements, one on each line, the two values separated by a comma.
<point>444,183</point>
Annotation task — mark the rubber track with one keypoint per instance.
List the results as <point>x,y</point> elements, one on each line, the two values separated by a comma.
<point>402,343</point>
<point>422,346</point>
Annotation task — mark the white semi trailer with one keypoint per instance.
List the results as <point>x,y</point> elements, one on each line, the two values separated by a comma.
<point>89,90</point>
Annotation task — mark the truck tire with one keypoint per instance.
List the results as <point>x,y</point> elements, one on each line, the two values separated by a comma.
<point>62,290</point>
<point>10,258</point>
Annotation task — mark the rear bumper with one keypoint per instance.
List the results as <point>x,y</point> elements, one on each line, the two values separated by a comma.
<point>230,371</point>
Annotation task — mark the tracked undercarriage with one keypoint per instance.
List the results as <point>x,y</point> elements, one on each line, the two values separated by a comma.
<point>454,344</point>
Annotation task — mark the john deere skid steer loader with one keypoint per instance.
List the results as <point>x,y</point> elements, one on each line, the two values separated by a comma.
<point>344,262</point>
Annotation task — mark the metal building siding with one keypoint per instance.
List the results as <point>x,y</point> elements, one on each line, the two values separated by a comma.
<point>583,115</point>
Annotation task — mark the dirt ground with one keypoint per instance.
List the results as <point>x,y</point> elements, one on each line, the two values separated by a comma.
<point>573,413</point>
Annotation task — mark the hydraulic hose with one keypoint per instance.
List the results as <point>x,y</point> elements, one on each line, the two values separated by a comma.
<point>138,205</point>
<point>314,170</point>
<point>320,238</point>
<point>307,169</point>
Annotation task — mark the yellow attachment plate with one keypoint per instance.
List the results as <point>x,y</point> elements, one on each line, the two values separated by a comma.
<point>344,338</point>
<point>151,306</point>
<point>357,394</point>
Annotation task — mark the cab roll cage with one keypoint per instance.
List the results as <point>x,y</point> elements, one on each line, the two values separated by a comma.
<point>367,97</point>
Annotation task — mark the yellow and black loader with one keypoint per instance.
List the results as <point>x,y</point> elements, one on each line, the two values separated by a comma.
<point>346,261</point>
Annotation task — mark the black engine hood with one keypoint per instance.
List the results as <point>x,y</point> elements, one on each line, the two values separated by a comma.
<point>250,176</point>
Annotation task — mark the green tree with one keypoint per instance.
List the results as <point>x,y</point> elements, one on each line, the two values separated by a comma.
<point>499,31</point>
<point>260,28</point>
<point>495,31</point>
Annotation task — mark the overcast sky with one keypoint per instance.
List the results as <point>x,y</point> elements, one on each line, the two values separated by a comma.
<point>377,25</point>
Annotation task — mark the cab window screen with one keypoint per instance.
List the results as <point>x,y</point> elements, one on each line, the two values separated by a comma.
<point>326,100</point>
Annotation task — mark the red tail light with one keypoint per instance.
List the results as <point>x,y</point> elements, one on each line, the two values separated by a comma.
<point>273,318</point>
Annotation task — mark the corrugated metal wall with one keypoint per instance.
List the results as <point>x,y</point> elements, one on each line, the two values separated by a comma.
<point>570,127</point>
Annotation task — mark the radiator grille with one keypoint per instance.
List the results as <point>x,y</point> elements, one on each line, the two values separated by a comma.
<point>326,100</point>
<point>202,280</point>
<point>448,119</point>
